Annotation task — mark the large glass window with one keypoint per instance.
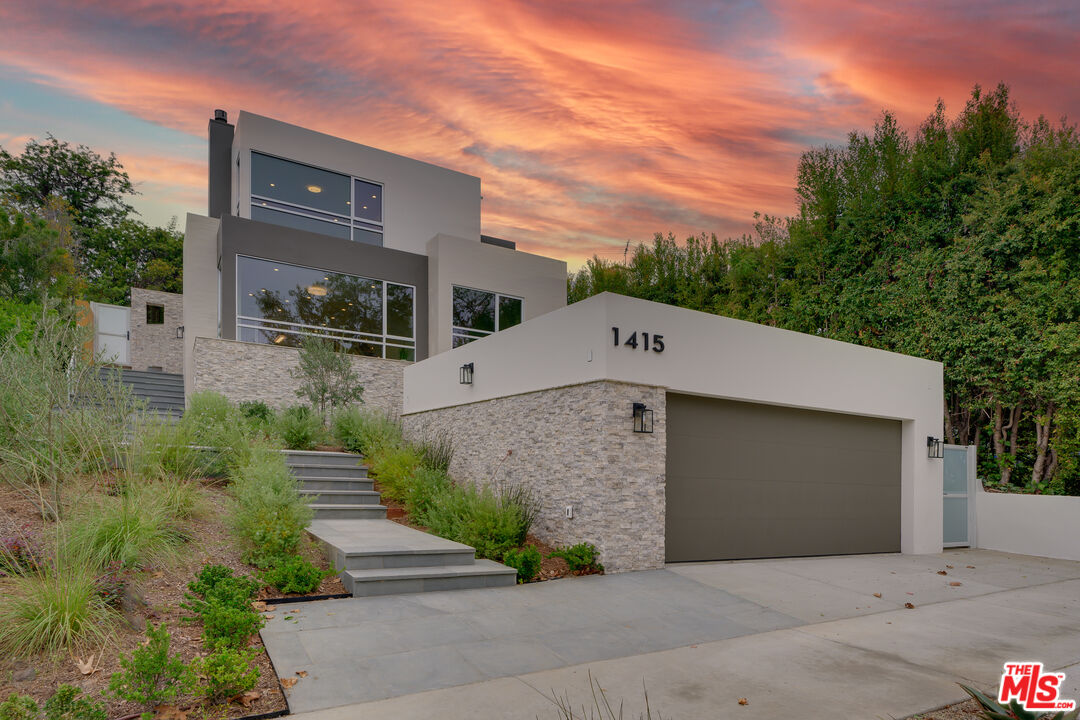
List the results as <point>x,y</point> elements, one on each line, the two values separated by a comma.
<point>309,198</point>
<point>479,313</point>
<point>281,304</point>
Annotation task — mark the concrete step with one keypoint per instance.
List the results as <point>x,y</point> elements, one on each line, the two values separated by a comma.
<point>374,544</point>
<point>342,497</point>
<point>321,457</point>
<point>320,470</point>
<point>315,484</point>
<point>396,581</point>
<point>329,511</point>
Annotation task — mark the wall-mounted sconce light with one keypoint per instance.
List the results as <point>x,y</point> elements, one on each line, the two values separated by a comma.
<point>934,448</point>
<point>465,376</point>
<point>643,418</point>
<point>180,332</point>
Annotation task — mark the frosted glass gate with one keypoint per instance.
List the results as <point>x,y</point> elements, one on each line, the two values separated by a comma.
<point>958,503</point>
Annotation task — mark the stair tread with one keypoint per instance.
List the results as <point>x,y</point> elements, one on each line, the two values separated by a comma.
<point>381,537</point>
<point>480,567</point>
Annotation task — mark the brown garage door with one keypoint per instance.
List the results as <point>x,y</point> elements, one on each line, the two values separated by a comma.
<point>754,481</point>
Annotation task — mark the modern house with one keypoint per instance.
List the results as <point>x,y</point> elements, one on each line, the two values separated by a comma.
<point>660,434</point>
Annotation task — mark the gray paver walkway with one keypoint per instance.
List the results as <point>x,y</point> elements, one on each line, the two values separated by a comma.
<point>785,633</point>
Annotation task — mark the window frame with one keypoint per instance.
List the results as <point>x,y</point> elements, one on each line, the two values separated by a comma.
<point>158,308</point>
<point>383,340</point>
<point>350,221</point>
<point>470,334</point>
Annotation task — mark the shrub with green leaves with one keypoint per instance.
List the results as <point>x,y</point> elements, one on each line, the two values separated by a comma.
<point>365,431</point>
<point>227,671</point>
<point>327,377</point>
<point>492,522</point>
<point>299,427</point>
<point>269,514</point>
<point>136,529</point>
<point>19,707</point>
<point>579,558</point>
<point>525,560</point>
<point>151,675</point>
<point>69,703</point>
<point>436,450</point>
<point>294,574</point>
<point>222,600</point>
<point>394,468</point>
<point>425,487</point>
<point>215,428</point>
<point>56,608</point>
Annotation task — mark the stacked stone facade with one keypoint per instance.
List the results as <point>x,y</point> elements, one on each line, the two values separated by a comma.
<point>573,446</point>
<point>249,372</point>
<point>156,346</point>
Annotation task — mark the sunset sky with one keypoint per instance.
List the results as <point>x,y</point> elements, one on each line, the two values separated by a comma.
<point>590,123</point>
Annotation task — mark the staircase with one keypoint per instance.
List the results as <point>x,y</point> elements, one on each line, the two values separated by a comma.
<point>377,556</point>
<point>162,392</point>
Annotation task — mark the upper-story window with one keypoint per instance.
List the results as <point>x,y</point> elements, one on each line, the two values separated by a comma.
<point>281,304</point>
<point>479,313</point>
<point>310,198</point>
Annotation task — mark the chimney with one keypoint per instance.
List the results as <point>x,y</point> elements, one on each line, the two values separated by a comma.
<point>219,165</point>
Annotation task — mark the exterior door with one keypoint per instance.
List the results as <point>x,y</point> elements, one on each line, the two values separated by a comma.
<point>111,323</point>
<point>753,481</point>
<point>958,509</point>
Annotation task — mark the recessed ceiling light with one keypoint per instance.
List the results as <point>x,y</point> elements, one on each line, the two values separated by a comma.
<point>316,290</point>
<point>348,202</point>
<point>277,269</point>
<point>279,339</point>
<point>373,197</point>
<point>365,207</point>
<point>273,185</point>
<point>314,189</point>
<point>251,294</point>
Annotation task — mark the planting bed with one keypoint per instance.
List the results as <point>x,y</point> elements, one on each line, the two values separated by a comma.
<point>153,594</point>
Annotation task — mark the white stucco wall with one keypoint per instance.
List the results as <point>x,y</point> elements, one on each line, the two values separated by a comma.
<point>1043,525</point>
<point>200,288</point>
<point>420,200</point>
<point>711,356</point>
<point>540,281</point>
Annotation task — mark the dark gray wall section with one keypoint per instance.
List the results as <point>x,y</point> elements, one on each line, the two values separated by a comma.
<point>492,240</point>
<point>754,481</point>
<point>240,236</point>
<point>219,166</point>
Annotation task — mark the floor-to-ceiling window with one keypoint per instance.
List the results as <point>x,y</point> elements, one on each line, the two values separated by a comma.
<point>479,313</point>
<point>280,304</point>
<point>300,196</point>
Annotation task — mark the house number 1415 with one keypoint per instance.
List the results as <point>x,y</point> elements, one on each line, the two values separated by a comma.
<point>654,342</point>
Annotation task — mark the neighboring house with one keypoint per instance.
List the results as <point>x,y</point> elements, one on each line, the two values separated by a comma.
<point>146,335</point>
<point>309,234</point>
<point>658,433</point>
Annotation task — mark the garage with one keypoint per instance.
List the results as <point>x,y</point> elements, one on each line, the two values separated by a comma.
<point>747,480</point>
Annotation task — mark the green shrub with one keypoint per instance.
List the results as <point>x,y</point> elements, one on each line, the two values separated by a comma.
<point>365,431</point>
<point>226,672</point>
<point>135,529</point>
<point>68,703</point>
<point>256,410</point>
<point>150,676</point>
<point>327,377</point>
<point>488,521</point>
<point>180,499</point>
<point>394,468</point>
<point>294,574</point>
<point>222,600</point>
<point>56,608</point>
<point>436,450</point>
<point>579,557</point>
<point>299,427</point>
<point>423,489</point>
<point>163,450</point>
<point>18,707</point>
<point>525,560</point>
<point>217,432</point>
<point>269,514</point>
<point>18,320</point>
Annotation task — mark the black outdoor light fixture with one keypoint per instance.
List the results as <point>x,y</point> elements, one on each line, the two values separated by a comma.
<point>642,418</point>
<point>179,332</point>
<point>465,376</point>
<point>934,448</point>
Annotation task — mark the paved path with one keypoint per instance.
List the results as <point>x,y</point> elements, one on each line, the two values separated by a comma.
<point>804,635</point>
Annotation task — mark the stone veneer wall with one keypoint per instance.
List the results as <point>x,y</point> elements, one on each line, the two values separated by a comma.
<point>573,446</point>
<point>248,371</point>
<point>156,345</point>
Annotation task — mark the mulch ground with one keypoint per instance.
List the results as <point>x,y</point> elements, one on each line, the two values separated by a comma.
<point>154,596</point>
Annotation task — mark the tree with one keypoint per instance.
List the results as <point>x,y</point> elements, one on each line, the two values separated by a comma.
<point>128,254</point>
<point>327,378</point>
<point>91,186</point>
<point>36,257</point>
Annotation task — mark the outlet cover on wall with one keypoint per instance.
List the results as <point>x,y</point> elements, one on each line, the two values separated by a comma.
<point>569,512</point>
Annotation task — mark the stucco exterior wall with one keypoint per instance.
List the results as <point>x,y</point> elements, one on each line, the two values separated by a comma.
<point>157,346</point>
<point>540,281</point>
<point>573,446</point>
<point>200,287</point>
<point>711,356</point>
<point>420,200</point>
<point>1043,525</point>
<point>249,372</point>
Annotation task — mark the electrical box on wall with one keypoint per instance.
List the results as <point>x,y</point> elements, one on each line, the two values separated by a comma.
<point>569,512</point>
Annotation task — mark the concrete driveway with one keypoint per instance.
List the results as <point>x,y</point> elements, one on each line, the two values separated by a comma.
<point>809,635</point>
